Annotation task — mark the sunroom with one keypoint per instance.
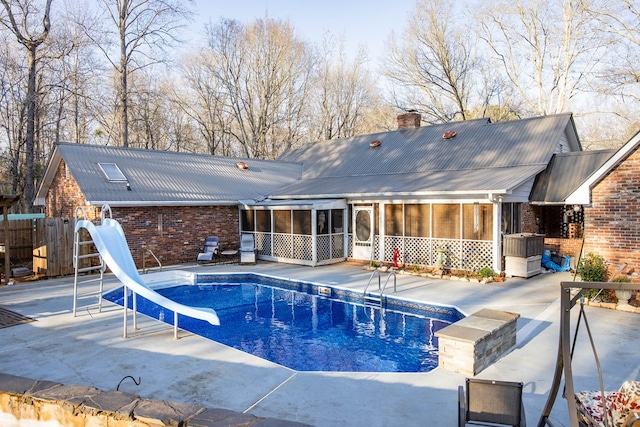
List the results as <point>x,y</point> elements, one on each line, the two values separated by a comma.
<point>318,232</point>
<point>307,232</point>
<point>465,235</point>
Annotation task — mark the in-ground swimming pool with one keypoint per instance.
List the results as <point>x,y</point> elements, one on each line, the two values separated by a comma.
<point>290,323</point>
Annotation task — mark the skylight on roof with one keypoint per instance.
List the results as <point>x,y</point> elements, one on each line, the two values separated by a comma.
<point>112,172</point>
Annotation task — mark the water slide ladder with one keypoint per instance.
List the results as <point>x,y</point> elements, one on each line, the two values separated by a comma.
<point>86,261</point>
<point>372,299</point>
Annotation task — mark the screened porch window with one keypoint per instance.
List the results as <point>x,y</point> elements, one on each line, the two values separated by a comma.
<point>477,221</point>
<point>247,219</point>
<point>282,221</point>
<point>393,220</point>
<point>322,221</point>
<point>417,220</point>
<point>263,221</point>
<point>337,220</point>
<point>446,221</point>
<point>302,222</point>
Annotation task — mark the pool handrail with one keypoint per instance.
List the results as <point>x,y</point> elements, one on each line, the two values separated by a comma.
<point>381,288</point>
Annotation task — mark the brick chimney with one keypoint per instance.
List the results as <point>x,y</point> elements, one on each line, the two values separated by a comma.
<point>409,120</point>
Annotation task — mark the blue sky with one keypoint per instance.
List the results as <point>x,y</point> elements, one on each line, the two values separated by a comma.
<point>366,22</point>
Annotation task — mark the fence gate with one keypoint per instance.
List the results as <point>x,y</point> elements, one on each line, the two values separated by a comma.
<point>53,247</point>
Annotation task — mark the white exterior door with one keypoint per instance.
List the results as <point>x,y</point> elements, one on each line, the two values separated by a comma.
<point>363,232</point>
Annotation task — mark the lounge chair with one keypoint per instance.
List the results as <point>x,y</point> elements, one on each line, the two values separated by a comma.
<point>210,249</point>
<point>247,249</point>
<point>487,402</point>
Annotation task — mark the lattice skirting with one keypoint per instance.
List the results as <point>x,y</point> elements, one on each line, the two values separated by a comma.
<point>459,254</point>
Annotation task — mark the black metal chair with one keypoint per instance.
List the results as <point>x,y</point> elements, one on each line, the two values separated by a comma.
<point>488,402</point>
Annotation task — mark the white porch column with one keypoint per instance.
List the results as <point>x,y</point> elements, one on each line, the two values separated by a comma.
<point>381,253</point>
<point>497,233</point>
<point>314,237</point>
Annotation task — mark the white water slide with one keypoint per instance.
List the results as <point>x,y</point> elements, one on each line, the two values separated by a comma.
<point>109,240</point>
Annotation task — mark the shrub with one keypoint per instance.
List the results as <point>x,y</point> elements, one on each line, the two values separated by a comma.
<point>592,268</point>
<point>486,272</point>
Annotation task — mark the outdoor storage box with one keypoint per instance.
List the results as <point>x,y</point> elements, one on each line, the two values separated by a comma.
<point>523,245</point>
<point>523,267</point>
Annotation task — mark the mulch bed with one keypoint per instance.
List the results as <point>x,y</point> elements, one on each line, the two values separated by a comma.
<point>10,318</point>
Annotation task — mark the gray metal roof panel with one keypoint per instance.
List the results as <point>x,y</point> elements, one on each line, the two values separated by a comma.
<point>565,173</point>
<point>421,183</point>
<point>165,176</point>
<point>478,145</point>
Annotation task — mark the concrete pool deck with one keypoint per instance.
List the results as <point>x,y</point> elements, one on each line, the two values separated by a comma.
<point>89,349</point>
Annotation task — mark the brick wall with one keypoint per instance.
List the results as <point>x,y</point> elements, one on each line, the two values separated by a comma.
<point>409,120</point>
<point>612,223</point>
<point>175,234</point>
<point>563,246</point>
<point>64,195</point>
<point>529,215</point>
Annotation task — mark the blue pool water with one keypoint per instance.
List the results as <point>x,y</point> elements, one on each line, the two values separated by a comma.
<point>305,331</point>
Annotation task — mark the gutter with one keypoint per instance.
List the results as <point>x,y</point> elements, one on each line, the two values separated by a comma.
<point>488,193</point>
<point>159,203</point>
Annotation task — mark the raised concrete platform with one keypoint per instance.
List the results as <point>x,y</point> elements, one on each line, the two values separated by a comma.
<point>475,342</point>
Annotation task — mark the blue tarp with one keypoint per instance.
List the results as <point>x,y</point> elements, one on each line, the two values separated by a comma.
<point>550,265</point>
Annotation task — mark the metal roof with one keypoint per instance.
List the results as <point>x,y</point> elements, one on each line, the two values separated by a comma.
<point>482,157</point>
<point>166,177</point>
<point>565,173</point>
<point>437,183</point>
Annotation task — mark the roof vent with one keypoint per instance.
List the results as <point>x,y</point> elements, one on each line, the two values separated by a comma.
<point>242,165</point>
<point>449,134</point>
<point>375,143</point>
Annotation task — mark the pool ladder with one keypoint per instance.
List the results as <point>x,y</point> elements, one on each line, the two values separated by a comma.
<point>371,299</point>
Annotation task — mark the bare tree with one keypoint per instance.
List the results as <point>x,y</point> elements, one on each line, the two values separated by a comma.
<point>204,100</point>
<point>346,93</point>
<point>12,115</point>
<point>19,20</point>
<point>432,65</point>
<point>620,24</point>
<point>548,50</point>
<point>141,30</point>
<point>263,70</point>
<point>75,76</point>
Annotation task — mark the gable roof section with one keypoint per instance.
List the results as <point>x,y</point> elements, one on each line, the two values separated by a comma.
<point>160,178</point>
<point>565,173</point>
<point>582,194</point>
<point>483,157</point>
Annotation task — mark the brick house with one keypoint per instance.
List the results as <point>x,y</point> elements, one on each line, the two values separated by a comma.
<point>552,209</point>
<point>166,201</point>
<point>457,187</point>
<point>611,196</point>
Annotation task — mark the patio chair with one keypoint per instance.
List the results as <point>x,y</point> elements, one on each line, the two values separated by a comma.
<point>488,402</point>
<point>247,249</point>
<point>210,249</point>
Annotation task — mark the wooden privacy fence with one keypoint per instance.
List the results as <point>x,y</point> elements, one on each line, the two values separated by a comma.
<point>19,240</point>
<point>53,247</point>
